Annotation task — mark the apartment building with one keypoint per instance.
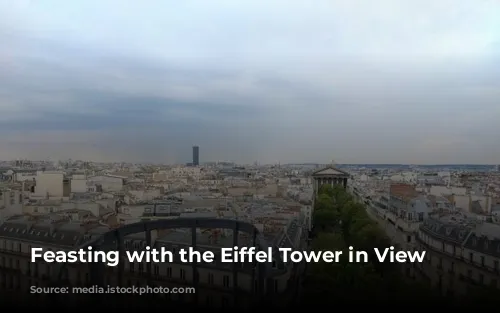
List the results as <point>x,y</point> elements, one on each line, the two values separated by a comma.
<point>108,183</point>
<point>462,256</point>
<point>218,284</point>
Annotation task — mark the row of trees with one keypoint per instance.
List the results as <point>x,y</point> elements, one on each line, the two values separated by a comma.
<point>341,222</point>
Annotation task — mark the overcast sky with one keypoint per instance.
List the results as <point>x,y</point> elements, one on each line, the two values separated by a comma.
<point>373,81</point>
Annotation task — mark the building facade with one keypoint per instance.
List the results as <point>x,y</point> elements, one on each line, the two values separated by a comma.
<point>217,284</point>
<point>462,255</point>
<point>330,176</point>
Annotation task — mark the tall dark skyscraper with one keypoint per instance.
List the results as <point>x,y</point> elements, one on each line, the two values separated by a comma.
<point>196,155</point>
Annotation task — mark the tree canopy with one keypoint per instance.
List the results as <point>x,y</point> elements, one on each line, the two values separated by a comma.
<point>340,222</point>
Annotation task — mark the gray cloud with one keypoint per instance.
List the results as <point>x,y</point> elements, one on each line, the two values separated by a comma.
<point>274,83</point>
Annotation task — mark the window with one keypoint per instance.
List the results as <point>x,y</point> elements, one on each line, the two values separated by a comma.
<point>131,267</point>
<point>471,257</point>
<point>420,217</point>
<point>482,260</point>
<point>225,281</point>
<point>169,272</point>
<point>211,278</point>
<point>495,265</point>
<point>183,273</point>
<point>209,301</point>
<point>156,270</point>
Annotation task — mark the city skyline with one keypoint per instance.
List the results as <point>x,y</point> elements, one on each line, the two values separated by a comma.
<point>405,83</point>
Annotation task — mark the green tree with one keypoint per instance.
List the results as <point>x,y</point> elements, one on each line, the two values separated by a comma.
<point>327,190</point>
<point>323,203</point>
<point>340,222</point>
<point>325,220</point>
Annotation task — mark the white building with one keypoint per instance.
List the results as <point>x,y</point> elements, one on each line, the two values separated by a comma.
<point>79,184</point>
<point>49,184</point>
<point>108,182</point>
<point>24,175</point>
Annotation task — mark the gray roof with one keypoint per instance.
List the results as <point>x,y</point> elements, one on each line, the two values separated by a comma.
<point>486,239</point>
<point>447,231</point>
<point>481,237</point>
<point>60,233</point>
<point>420,204</point>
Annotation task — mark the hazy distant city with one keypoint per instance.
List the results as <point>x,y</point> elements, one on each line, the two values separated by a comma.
<point>68,204</point>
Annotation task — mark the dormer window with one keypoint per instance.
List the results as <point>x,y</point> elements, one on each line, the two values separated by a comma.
<point>474,241</point>
<point>486,243</point>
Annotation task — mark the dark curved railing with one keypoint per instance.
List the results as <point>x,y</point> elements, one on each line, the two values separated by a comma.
<point>114,240</point>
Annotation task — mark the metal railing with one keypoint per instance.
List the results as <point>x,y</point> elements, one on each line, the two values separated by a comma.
<point>114,240</point>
